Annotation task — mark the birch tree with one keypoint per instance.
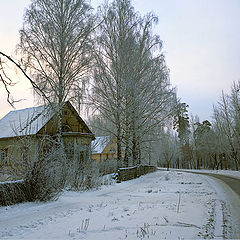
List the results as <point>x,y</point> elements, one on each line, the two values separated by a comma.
<point>151,96</point>
<point>55,42</point>
<point>132,87</point>
<point>226,122</point>
<point>112,53</point>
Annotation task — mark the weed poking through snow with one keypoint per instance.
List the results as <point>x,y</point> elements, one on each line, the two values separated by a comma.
<point>145,232</point>
<point>85,225</point>
<point>179,200</point>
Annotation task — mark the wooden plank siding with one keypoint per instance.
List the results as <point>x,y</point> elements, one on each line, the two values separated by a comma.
<point>77,134</point>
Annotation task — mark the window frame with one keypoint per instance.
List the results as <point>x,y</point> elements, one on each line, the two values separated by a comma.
<point>3,156</point>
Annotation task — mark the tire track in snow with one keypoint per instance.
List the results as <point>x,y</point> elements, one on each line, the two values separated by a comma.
<point>226,209</point>
<point>229,192</point>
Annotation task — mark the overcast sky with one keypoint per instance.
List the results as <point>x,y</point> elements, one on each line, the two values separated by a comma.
<point>201,43</point>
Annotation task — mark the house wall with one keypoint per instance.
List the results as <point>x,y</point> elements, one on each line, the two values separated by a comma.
<point>109,152</point>
<point>22,150</point>
<point>19,151</point>
<point>69,118</point>
<point>75,138</point>
<point>5,146</point>
<point>77,149</point>
<point>103,156</point>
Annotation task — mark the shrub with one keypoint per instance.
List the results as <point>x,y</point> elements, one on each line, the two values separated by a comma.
<point>47,177</point>
<point>13,192</point>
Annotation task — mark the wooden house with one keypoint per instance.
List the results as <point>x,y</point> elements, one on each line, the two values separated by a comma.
<point>31,125</point>
<point>104,148</point>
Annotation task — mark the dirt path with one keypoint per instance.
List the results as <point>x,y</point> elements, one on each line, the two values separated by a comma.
<point>231,189</point>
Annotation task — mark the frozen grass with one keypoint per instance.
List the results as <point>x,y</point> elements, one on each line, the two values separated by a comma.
<point>160,205</point>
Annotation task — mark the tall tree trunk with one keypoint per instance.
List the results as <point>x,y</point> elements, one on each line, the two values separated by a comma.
<point>235,158</point>
<point>134,143</point>
<point>119,146</point>
<point>127,150</point>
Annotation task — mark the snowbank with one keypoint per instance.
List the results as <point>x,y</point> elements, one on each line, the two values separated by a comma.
<point>160,205</point>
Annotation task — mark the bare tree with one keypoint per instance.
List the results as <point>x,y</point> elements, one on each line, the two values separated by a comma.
<point>226,122</point>
<point>56,47</point>
<point>131,84</point>
<point>169,150</point>
<point>150,97</point>
<point>111,53</point>
<point>8,82</point>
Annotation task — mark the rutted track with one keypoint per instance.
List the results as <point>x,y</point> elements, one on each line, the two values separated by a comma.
<point>231,189</point>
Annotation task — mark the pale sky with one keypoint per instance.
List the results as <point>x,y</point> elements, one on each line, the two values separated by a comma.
<point>201,43</point>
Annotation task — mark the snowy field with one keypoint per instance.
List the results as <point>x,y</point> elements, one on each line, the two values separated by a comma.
<point>160,205</point>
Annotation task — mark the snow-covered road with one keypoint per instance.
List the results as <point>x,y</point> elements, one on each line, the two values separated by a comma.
<point>229,190</point>
<point>161,205</point>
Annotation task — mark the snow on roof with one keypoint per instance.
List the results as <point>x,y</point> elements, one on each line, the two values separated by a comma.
<point>99,144</point>
<point>23,122</point>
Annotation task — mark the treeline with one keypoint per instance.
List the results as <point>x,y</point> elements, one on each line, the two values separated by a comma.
<point>209,145</point>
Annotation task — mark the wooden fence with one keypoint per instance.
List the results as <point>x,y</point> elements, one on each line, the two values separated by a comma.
<point>125,174</point>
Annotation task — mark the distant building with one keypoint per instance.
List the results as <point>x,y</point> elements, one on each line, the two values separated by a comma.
<point>31,125</point>
<point>104,148</point>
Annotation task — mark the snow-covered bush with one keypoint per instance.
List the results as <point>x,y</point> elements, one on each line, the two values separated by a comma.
<point>47,176</point>
<point>87,177</point>
<point>94,174</point>
<point>53,168</point>
<point>43,173</point>
<point>107,167</point>
<point>13,192</point>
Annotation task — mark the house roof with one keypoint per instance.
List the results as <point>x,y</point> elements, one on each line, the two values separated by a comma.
<point>26,121</point>
<point>99,144</point>
<point>29,121</point>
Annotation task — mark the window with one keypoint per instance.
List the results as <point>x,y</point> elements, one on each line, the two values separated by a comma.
<point>66,128</point>
<point>3,155</point>
<point>66,112</point>
<point>25,153</point>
